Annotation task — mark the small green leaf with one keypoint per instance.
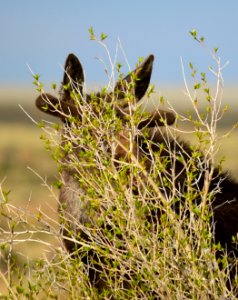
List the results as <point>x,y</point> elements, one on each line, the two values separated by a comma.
<point>38,215</point>
<point>140,60</point>
<point>36,77</point>
<point>208,109</point>
<point>150,90</point>
<point>41,124</point>
<point>103,36</point>
<point>54,86</point>
<point>91,32</point>
<point>193,33</point>
<point>197,86</point>
<point>119,66</point>
<point>57,184</point>
<point>208,98</point>
<point>226,108</point>
<point>161,100</point>
<point>195,101</point>
<point>235,125</point>
<point>20,289</point>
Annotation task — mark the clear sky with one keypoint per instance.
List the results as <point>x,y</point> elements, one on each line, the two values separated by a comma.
<point>41,33</point>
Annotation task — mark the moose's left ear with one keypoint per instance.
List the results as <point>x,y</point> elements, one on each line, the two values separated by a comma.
<point>48,104</point>
<point>57,108</point>
<point>141,75</point>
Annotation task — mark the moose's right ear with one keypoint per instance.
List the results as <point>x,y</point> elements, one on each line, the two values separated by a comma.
<point>73,75</point>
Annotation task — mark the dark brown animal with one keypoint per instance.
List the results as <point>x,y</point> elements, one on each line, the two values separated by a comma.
<point>72,209</point>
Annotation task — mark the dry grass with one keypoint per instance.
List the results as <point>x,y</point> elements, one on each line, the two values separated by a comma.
<point>21,152</point>
<point>22,156</point>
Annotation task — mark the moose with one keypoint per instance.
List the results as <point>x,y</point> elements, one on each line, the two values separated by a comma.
<point>75,212</point>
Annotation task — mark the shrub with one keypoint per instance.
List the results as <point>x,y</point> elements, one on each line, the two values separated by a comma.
<point>143,226</point>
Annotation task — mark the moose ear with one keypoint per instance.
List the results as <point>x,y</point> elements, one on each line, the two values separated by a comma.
<point>48,103</point>
<point>57,108</point>
<point>141,77</point>
<point>73,75</point>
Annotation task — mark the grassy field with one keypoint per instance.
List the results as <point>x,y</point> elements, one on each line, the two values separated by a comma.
<point>25,165</point>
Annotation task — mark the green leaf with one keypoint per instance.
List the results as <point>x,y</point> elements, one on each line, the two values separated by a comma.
<point>54,86</point>
<point>150,90</point>
<point>193,33</point>
<point>36,77</point>
<point>161,100</point>
<point>103,36</point>
<point>197,86</point>
<point>119,66</point>
<point>57,184</point>
<point>140,60</point>
<point>195,101</point>
<point>91,32</point>
<point>38,216</point>
<point>20,289</point>
<point>226,108</point>
<point>208,109</point>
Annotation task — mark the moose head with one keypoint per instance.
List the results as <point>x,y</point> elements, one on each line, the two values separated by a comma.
<point>75,210</point>
<point>70,107</point>
<point>137,82</point>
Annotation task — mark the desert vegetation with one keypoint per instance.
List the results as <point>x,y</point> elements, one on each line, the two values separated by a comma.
<point>147,236</point>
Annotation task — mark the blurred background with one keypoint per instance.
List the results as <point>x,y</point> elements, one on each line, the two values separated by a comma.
<point>36,36</point>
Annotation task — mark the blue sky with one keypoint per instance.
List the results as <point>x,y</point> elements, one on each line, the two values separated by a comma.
<point>41,34</point>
